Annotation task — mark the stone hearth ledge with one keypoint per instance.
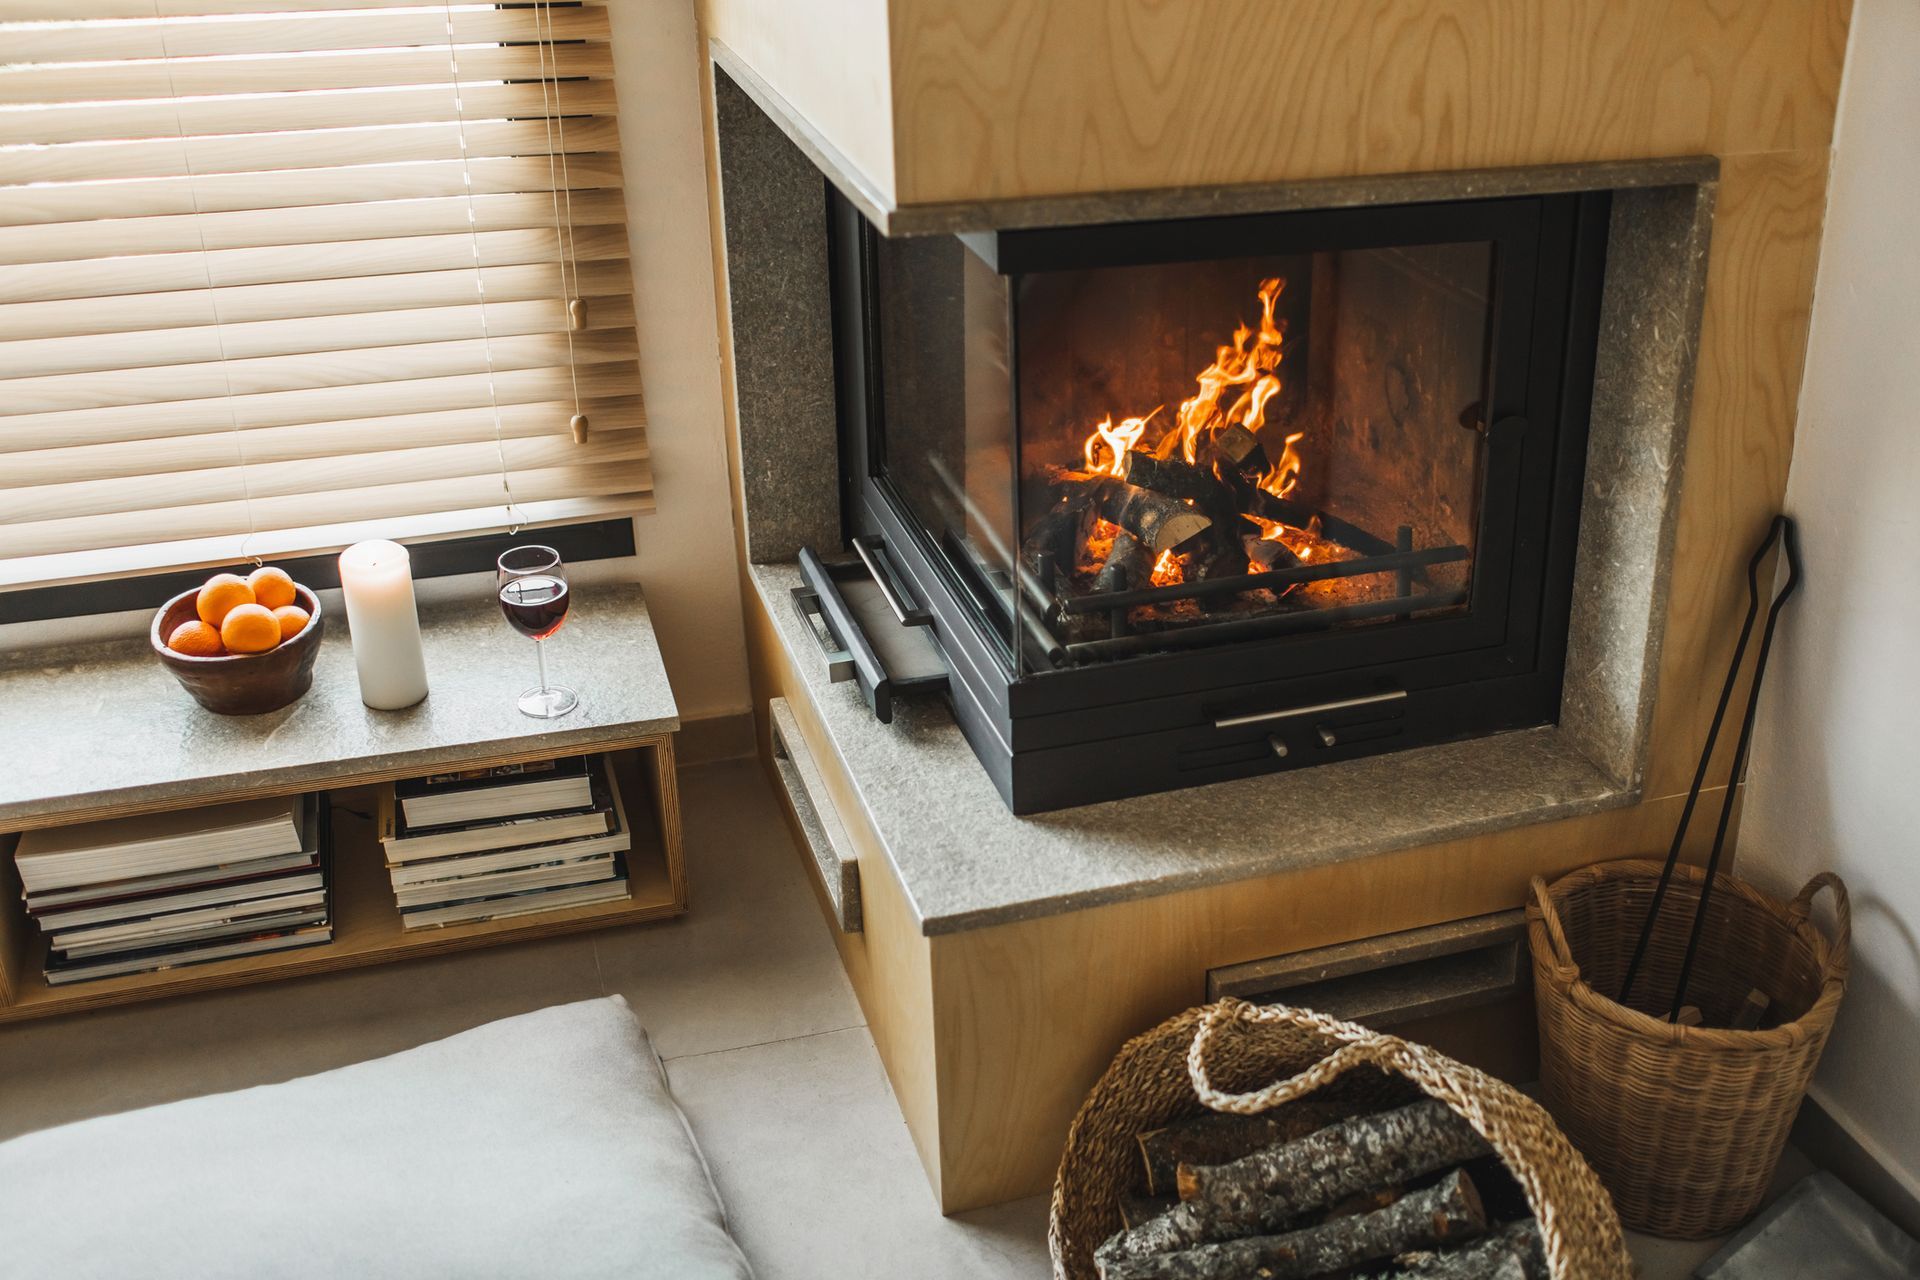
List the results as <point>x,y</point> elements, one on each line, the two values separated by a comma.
<point>967,863</point>
<point>105,724</point>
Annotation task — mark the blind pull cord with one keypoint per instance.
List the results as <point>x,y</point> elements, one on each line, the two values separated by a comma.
<point>213,294</point>
<point>560,179</point>
<point>514,519</point>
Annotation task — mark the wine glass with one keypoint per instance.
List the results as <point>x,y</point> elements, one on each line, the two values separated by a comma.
<point>533,595</point>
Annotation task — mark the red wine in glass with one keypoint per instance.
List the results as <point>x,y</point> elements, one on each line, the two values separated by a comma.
<point>532,588</point>
<point>535,605</point>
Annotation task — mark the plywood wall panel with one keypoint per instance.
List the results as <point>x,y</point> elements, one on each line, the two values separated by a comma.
<point>1005,98</point>
<point>1753,340</point>
<point>829,60</point>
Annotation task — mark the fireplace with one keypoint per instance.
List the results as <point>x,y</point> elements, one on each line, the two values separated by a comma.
<point>1196,499</point>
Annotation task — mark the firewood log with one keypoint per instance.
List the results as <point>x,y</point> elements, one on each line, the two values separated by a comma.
<point>1355,1155</point>
<point>1055,536</point>
<point>1235,449</point>
<point>1135,1210</point>
<point>1268,553</point>
<point>1161,522</point>
<point>1218,1137</point>
<point>1273,1188</point>
<point>1448,1210</point>
<point>1513,1252</point>
<point>1128,565</point>
<point>1174,477</point>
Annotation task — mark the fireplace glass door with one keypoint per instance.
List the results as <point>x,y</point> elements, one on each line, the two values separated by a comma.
<point>1126,441</point>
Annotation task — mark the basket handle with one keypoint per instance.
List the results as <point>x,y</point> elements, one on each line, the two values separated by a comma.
<point>1840,950</point>
<point>1360,1047</point>
<point>1550,917</point>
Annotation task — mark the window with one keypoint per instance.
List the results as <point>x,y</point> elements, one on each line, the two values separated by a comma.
<point>277,276</point>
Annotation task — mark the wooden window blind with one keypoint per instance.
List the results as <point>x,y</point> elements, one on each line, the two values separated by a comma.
<point>277,276</point>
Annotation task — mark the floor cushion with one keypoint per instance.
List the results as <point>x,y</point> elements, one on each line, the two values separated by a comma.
<point>542,1145</point>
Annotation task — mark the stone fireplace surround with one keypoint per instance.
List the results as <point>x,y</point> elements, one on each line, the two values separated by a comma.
<point>1000,961</point>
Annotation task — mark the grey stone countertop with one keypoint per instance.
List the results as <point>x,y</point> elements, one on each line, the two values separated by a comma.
<point>105,724</point>
<point>966,862</point>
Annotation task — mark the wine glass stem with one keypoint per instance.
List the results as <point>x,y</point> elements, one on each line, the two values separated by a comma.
<point>540,652</point>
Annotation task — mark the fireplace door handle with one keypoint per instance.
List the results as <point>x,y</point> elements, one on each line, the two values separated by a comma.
<point>873,554</point>
<point>1312,709</point>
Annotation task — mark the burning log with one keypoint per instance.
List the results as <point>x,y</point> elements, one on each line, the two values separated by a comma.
<point>1172,476</point>
<point>1161,522</point>
<point>1267,553</point>
<point>1355,1155</point>
<point>1128,565</point>
<point>1514,1252</point>
<point>1236,450</point>
<point>1448,1210</point>
<point>1219,1137</point>
<point>1055,537</point>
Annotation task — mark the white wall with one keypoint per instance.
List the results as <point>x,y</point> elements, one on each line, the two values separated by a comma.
<point>686,546</point>
<point>1835,781</point>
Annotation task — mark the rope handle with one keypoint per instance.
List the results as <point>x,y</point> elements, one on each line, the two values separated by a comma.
<point>1840,947</point>
<point>1550,917</point>
<point>1359,1047</point>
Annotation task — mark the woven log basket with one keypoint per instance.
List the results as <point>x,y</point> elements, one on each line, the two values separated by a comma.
<point>1684,1124</point>
<point>1204,1058</point>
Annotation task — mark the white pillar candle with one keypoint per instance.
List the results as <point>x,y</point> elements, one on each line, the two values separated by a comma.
<point>376,580</point>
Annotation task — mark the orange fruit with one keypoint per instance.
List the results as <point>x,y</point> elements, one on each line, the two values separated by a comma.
<point>196,639</point>
<point>250,628</point>
<point>291,618</point>
<point>271,587</point>
<point>221,594</point>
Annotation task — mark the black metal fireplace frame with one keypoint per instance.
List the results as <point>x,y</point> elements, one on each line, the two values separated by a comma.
<point>1246,706</point>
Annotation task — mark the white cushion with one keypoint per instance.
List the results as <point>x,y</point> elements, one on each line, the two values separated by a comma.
<point>542,1145</point>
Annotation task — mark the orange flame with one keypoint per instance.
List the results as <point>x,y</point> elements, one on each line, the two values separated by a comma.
<point>1285,472</point>
<point>1115,441</point>
<point>1249,362</point>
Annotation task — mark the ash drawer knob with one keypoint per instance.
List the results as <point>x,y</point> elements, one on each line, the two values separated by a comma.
<point>1279,747</point>
<point>1327,736</point>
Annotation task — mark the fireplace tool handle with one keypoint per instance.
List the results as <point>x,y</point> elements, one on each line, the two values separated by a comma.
<point>1784,532</point>
<point>873,554</point>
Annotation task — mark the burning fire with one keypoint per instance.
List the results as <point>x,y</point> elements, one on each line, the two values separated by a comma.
<point>1115,441</point>
<point>1298,541</point>
<point>1240,365</point>
<point>1285,473</point>
<point>1251,363</point>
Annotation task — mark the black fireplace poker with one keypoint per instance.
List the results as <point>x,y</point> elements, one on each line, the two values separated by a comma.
<point>1784,532</point>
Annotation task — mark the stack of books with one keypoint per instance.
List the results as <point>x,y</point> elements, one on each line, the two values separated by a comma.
<point>140,894</point>
<point>484,844</point>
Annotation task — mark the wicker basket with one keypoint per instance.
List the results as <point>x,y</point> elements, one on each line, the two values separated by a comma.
<point>1199,1060</point>
<point>1684,1124</point>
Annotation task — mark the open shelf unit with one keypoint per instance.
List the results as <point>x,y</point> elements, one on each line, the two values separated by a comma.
<point>366,923</point>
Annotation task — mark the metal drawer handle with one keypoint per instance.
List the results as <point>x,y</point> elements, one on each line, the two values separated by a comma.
<point>872,553</point>
<point>839,661</point>
<point>1317,708</point>
<point>827,841</point>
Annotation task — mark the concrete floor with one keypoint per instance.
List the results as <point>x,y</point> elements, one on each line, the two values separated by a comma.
<point>764,1043</point>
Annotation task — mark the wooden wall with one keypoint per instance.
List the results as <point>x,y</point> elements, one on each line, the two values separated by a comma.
<point>1007,97</point>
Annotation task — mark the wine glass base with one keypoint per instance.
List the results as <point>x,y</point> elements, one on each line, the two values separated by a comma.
<point>548,702</point>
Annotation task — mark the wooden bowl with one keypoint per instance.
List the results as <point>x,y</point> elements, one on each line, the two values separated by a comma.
<point>241,684</point>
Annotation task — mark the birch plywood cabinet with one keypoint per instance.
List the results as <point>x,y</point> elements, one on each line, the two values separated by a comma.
<point>990,109</point>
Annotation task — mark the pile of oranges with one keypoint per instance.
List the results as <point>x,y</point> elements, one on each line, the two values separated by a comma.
<point>241,615</point>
